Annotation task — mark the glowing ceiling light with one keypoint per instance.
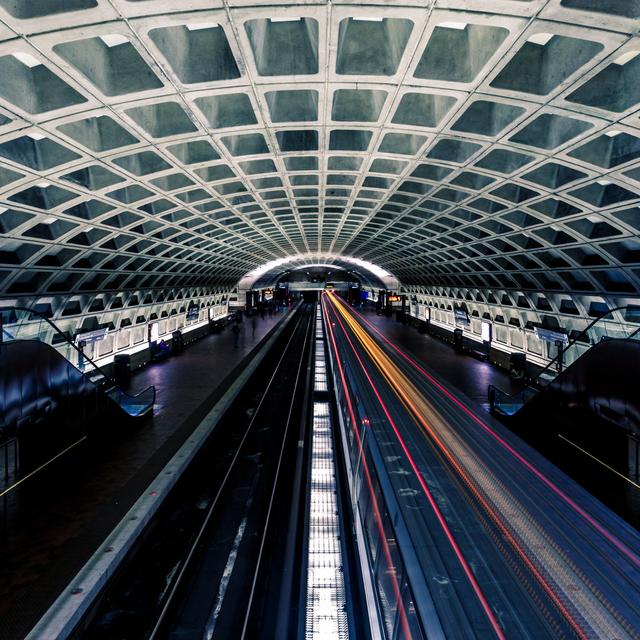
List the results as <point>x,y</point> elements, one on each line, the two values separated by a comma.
<point>540,38</point>
<point>310,259</point>
<point>114,39</point>
<point>27,59</point>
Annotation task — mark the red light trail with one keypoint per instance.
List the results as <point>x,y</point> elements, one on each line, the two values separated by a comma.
<point>445,527</point>
<point>632,557</point>
<point>490,494</point>
<point>378,518</point>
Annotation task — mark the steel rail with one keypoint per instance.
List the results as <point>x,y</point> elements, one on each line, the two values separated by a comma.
<point>299,375</point>
<point>180,575</point>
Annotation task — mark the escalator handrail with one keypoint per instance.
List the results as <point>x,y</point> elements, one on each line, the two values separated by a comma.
<point>70,342</point>
<point>531,384</point>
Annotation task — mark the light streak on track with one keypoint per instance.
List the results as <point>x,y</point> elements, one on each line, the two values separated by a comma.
<point>447,531</point>
<point>588,614</point>
<point>631,556</point>
<point>378,518</point>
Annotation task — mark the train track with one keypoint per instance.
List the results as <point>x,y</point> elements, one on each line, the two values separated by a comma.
<point>495,545</point>
<point>210,564</point>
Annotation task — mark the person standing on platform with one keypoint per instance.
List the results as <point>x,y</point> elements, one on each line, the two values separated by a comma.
<point>253,325</point>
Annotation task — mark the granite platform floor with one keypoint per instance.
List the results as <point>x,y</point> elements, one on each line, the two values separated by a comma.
<point>465,372</point>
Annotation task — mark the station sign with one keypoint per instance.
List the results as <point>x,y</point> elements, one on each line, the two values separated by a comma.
<point>549,335</point>
<point>394,298</point>
<point>88,337</point>
<point>486,331</point>
<point>193,312</point>
<point>461,316</point>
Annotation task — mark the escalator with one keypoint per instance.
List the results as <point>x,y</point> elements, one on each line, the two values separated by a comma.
<point>585,419</point>
<point>570,378</point>
<point>47,380</point>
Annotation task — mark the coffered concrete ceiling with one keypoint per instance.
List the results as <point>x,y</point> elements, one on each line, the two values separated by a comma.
<point>463,143</point>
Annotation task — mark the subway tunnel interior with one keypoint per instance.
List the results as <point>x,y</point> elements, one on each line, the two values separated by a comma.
<point>473,165</point>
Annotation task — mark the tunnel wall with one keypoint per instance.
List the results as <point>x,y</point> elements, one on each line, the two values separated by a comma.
<point>128,314</point>
<point>512,316</point>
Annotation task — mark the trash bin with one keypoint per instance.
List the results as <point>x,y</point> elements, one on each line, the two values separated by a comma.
<point>122,369</point>
<point>517,365</point>
<point>177,342</point>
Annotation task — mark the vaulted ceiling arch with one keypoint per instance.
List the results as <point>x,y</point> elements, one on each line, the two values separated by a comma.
<point>147,144</point>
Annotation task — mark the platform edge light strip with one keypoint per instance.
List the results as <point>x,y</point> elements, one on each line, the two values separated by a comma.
<point>326,617</point>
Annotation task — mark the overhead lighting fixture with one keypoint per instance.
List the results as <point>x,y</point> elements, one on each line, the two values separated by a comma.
<point>626,57</point>
<point>35,135</point>
<point>368,18</point>
<point>540,38</point>
<point>453,25</point>
<point>604,183</point>
<point>284,19</point>
<point>114,39</point>
<point>201,26</point>
<point>43,185</point>
<point>613,133</point>
<point>49,220</point>
<point>27,59</point>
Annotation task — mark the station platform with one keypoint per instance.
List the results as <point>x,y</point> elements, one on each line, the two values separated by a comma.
<point>463,371</point>
<point>53,521</point>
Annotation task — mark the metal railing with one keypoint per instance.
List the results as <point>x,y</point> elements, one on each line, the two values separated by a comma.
<point>601,328</point>
<point>19,323</point>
